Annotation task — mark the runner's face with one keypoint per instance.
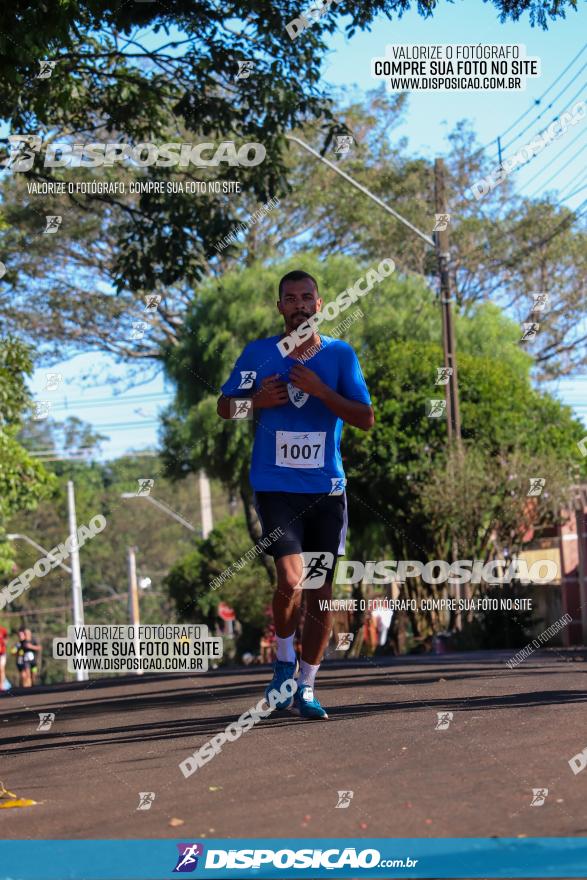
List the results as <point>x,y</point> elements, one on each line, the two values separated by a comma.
<point>299,301</point>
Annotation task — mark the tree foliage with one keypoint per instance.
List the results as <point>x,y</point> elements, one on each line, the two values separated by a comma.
<point>136,72</point>
<point>409,497</point>
<point>508,426</point>
<point>248,590</point>
<point>159,540</point>
<point>23,481</point>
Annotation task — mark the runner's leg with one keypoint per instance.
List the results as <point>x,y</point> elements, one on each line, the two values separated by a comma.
<point>324,526</point>
<point>317,624</point>
<point>281,512</point>
<point>287,599</point>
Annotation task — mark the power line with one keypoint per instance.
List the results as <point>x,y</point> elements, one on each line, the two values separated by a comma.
<point>533,155</point>
<point>538,100</point>
<point>517,225</point>
<point>572,183</point>
<point>549,106</point>
<point>556,173</point>
<point>115,426</point>
<point>557,230</point>
<point>581,188</point>
<point>133,398</point>
<point>51,449</point>
<point>554,158</point>
<point>96,455</point>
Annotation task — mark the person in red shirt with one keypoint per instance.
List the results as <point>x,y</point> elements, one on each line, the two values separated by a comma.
<point>3,636</point>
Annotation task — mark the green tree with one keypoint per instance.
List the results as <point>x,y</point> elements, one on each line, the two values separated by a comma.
<point>23,481</point>
<point>247,590</point>
<point>113,88</point>
<point>159,540</point>
<point>410,499</point>
<point>508,426</point>
<point>241,306</point>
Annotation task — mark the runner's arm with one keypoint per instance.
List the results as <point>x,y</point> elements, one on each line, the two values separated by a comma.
<point>355,413</point>
<point>223,406</point>
<point>273,392</point>
<point>360,415</point>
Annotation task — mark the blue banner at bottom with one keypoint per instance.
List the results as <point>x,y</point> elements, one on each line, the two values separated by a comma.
<point>285,858</point>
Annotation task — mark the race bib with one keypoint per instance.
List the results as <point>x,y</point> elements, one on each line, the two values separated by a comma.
<point>297,449</point>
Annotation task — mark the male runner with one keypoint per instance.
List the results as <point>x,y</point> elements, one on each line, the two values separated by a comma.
<point>297,471</point>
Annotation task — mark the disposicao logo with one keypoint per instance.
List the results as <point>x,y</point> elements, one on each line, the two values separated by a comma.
<point>188,857</point>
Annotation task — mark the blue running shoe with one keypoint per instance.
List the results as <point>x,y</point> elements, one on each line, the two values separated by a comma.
<point>306,704</point>
<point>282,672</point>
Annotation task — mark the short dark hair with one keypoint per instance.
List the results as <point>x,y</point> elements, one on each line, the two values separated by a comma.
<point>296,275</point>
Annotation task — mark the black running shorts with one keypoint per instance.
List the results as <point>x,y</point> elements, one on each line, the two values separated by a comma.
<point>309,522</point>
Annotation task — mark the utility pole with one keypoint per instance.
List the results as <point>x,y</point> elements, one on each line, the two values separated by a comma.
<point>133,600</point>
<point>76,577</point>
<point>205,504</point>
<point>453,415</point>
<point>440,243</point>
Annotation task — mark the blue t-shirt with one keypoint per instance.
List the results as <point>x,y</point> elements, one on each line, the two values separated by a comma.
<point>297,444</point>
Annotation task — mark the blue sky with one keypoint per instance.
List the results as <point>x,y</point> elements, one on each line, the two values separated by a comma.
<point>130,418</point>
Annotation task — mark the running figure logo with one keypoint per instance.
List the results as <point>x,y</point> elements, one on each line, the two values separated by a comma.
<point>316,567</point>
<point>530,331</point>
<point>188,857</point>
<point>138,330</point>
<point>241,409</point>
<point>41,410</point>
<point>343,143</point>
<point>145,486</point>
<point>47,68</point>
<point>441,222</point>
<point>146,799</point>
<point>22,152</point>
<point>540,302</point>
<point>539,795</point>
<point>245,69</point>
<point>444,719</point>
<point>537,484</point>
<point>344,799</point>
<point>437,409</point>
<point>247,379</point>
<point>338,484</point>
<point>46,719</point>
<point>52,381</point>
<point>53,222</point>
<point>152,301</point>
<point>443,374</point>
<point>344,641</point>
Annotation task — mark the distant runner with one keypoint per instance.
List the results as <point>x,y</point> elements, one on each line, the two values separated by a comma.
<point>26,660</point>
<point>297,471</point>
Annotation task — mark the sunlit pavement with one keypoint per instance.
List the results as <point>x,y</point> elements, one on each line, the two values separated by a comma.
<point>511,731</point>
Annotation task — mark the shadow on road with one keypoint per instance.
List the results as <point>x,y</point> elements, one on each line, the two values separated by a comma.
<point>94,702</point>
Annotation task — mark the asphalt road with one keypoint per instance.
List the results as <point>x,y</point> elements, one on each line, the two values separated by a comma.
<point>511,731</point>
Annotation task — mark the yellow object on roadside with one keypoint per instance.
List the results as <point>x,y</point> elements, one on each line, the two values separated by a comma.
<point>12,799</point>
